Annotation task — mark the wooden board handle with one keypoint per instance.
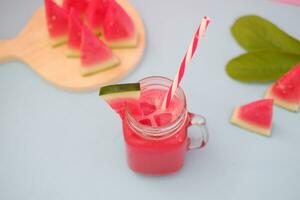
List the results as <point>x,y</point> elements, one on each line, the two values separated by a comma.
<point>8,50</point>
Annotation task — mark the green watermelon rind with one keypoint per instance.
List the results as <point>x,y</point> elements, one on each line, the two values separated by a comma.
<point>291,106</point>
<point>96,31</point>
<point>126,43</point>
<point>102,66</point>
<point>120,91</point>
<point>248,126</point>
<point>73,53</point>
<point>58,41</point>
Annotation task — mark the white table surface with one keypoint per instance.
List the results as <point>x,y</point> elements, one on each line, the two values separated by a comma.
<point>58,145</point>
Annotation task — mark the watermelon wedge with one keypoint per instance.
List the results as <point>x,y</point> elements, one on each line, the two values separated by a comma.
<point>57,21</point>
<point>79,6</point>
<point>255,116</point>
<point>95,14</point>
<point>74,34</point>
<point>118,28</point>
<point>95,55</point>
<point>286,90</point>
<point>121,95</point>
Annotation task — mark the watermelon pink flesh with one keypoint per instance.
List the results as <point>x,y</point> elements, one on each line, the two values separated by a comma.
<point>96,12</point>
<point>79,5</point>
<point>74,32</point>
<point>258,113</point>
<point>287,88</point>
<point>118,28</point>
<point>119,105</point>
<point>57,20</point>
<point>95,55</point>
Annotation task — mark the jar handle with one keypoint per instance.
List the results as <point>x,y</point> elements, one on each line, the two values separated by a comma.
<point>200,140</point>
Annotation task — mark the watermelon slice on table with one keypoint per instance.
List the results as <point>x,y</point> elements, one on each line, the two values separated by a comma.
<point>255,116</point>
<point>95,14</point>
<point>122,95</point>
<point>57,21</point>
<point>286,90</point>
<point>74,34</point>
<point>79,5</point>
<point>95,55</point>
<point>118,28</point>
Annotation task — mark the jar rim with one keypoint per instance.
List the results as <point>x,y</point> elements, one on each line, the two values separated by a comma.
<point>164,131</point>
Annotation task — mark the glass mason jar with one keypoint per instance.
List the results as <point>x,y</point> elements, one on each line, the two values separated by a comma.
<point>161,150</point>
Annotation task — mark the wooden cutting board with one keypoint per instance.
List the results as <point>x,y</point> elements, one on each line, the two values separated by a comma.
<point>32,46</point>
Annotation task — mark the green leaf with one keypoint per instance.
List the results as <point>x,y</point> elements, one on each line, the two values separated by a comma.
<point>261,66</point>
<point>256,33</point>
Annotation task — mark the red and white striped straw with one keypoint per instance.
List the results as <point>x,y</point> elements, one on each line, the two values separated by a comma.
<point>186,60</point>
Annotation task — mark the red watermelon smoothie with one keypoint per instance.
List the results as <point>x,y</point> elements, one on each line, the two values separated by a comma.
<point>157,139</point>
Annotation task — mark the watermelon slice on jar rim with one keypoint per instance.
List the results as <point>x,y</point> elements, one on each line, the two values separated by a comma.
<point>120,96</point>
